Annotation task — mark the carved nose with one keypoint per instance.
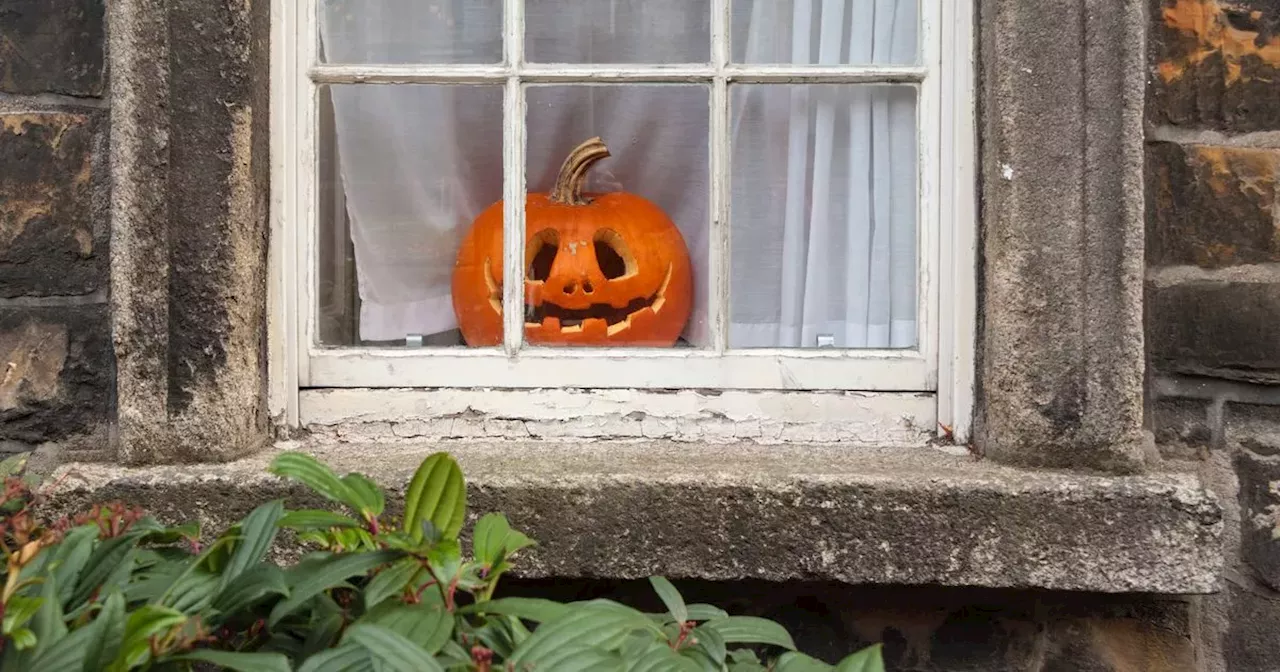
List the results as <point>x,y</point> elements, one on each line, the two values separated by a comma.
<point>573,288</point>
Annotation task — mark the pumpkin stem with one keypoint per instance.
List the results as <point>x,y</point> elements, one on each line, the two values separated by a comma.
<point>573,172</point>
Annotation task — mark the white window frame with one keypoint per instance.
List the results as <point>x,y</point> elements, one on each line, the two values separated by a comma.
<point>941,366</point>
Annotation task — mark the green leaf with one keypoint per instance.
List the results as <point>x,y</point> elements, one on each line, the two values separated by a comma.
<point>308,579</point>
<point>110,624</point>
<point>454,658</point>
<point>188,579</point>
<point>70,559</point>
<point>47,622</point>
<point>347,658</point>
<point>148,621</point>
<point>488,536</point>
<point>529,608</point>
<point>392,648</point>
<point>671,598</point>
<point>322,632</point>
<point>794,661</point>
<point>23,639</point>
<point>13,464</point>
<point>869,659</point>
<point>657,657</point>
<point>315,475</point>
<point>158,534</point>
<point>66,653</point>
<point>710,641</point>
<point>192,592</point>
<point>706,612</point>
<point>148,585</point>
<point>578,658</point>
<point>257,533</point>
<point>751,630</point>
<point>745,660</point>
<point>430,627</point>
<point>390,581</point>
<point>239,661</point>
<point>494,540</point>
<point>316,519</point>
<point>445,559</point>
<point>589,624</point>
<point>367,493</point>
<point>112,559</point>
<point>437,494</point>
<point>519,633</point>
<point>701,660</point>
<point>252,585</point>
<point>495,637</point>
<point>19,610</point>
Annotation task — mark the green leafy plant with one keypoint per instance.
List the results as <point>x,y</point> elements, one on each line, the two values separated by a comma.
<point>113,590</point>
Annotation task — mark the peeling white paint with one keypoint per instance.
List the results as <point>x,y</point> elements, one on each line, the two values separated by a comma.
<point>859,419</point>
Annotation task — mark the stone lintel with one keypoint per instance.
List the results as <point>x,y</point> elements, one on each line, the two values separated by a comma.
<point>630,510</point>
<point>1062,189</point>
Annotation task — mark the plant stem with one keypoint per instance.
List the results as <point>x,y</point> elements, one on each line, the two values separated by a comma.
<point>573,172</point>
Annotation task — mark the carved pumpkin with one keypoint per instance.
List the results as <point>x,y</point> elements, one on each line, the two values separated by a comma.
<point>600,269</point>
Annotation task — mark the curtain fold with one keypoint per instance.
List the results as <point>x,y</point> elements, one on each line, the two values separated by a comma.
<point>823,200</point>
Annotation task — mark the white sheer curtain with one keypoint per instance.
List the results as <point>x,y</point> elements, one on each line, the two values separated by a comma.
<point>824,187</point>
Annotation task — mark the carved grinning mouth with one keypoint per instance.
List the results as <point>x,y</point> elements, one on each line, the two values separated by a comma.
<point>566,320</point>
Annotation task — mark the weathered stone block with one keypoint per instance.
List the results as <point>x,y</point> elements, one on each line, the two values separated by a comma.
<point>189,226</point>
<point>51,239</point>
<point>1251,644</point>
<point>57,382</point>
<point>1260,514</point>
<point>1181,427</point>
<point>1211,206</point>
<point>52,46</point>
<point>1254,427</point>
<point>1061,346</point>
<point>1225,329</point>
<point>1215,64</point>
<point>623,510</point>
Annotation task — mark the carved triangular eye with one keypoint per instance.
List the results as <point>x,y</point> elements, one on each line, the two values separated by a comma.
<point>541,253</point>
<point>612,255</point>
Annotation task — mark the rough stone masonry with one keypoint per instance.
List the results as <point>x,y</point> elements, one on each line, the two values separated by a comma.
<point>1213,291</point>
<point>58,378</point>
<point>133,238</point>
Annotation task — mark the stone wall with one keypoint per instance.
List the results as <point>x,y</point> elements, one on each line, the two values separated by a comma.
<point>55,337</point>
<point>1213,290</point>
<point>132,313</point>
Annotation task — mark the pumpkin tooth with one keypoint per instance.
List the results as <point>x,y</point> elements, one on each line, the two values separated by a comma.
<point>551,323</point>
<point>641,318</point>
<point>595,327</point>
<point>660,297</point>
<point>489,281</point>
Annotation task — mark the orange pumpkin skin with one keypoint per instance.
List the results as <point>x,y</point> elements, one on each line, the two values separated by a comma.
<point>620,275</point>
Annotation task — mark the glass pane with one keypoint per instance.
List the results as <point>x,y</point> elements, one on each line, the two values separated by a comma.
<point>410,31</point>
<point>404,171</point>
<point>618,31</point>
<point>825,32</point>
<point>623,269</point>
<point>823,221</point>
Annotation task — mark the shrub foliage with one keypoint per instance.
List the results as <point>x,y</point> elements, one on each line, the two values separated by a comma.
<point>113,589</point>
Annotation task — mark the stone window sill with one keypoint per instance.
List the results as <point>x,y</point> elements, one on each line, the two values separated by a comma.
<point>724,512</point>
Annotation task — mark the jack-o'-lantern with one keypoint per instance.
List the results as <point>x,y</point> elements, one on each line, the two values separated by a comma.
<point>600,269</point>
